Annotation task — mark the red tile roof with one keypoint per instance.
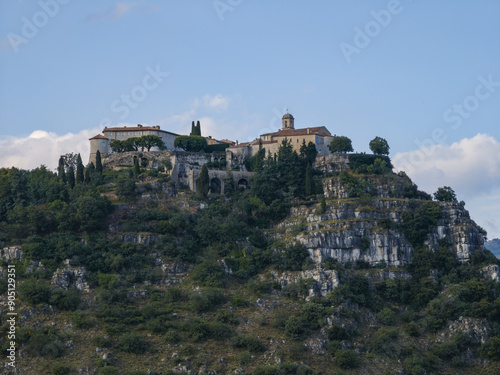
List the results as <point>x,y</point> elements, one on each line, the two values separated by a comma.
<point>135,129</point>
<point>319,130</point>
<point>98,136</point>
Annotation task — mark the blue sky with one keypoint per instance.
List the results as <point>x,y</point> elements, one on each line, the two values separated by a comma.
<point>425,75</point>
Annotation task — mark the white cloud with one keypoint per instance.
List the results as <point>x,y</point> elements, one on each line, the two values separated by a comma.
<point>471,166</point>
<point>42,147</point>
<point>217,102</point>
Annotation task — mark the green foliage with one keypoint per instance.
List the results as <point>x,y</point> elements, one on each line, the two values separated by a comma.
<point>308,152</point>
<point>59,369</point>
<point>357,187</point>
<point>34,291</point>
<point>109,370</point>
<point>371,164</point>
<point>445,194</point>
<point>291,257</point>
<point>420,220</point>
<point>250,343</point>
<point>132,343</point>
<point>379,146</point>
<point>202,184</point>
<point>98,162</point>
<point>387,316</point>
<point>65,300</point>
<point>209,273</point>
<point>219,147</point>
<point>192,143</point>
<point>126,188</point>
<point>79,170</point>
<point>340,144</point>
<point>46,342</point>
<point>347,359</point>
<point>137,168</point>
<point>207,300</point>
<point>136,143</point>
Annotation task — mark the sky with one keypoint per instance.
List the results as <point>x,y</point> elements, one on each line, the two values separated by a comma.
<point>423,74</point>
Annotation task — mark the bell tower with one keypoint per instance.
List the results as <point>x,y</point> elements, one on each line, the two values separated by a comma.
<point>287,122</point>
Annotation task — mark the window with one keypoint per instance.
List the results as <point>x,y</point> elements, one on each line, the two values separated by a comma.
<point>297,140</point>
<point>135,133</point>
<point>123,133</point>
<point>103,144</point>
<point>286,124</point>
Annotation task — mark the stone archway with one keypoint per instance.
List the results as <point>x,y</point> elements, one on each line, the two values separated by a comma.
<point>242,184</point>
<point>215,186</point>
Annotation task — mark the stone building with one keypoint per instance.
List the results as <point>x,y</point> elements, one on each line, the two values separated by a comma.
<point>319,136</point>
<point>102,142</point>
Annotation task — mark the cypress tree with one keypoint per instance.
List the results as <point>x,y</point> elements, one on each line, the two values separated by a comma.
<point>137,169</point>
<point>193,129</point>
<point>198,128</point>
<point>98,162</point>
<point>71,177</point>
<point>89,173</point>
<point>309,188</point>
<point>60,170</point>
<point>79,170</point>
<point>203,182</point>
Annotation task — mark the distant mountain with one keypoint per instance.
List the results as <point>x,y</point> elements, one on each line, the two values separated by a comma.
<point>493,246</point>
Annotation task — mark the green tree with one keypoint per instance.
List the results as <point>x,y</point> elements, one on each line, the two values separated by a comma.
<point>150,141</point>
<point>79,170</point>
<point>379,146</point>
<point>61,174</point>
<point>193,129</point>
<point>89,172</point>
<point>198,129</point>
<point>71,177</point>
<point>117,146</point>
<point>308,152</point>
<point>309,182</point>
<point>445,194</point>
<point>98,162</point>
<point>340,144</point>
<point>203,183</point>
<point>126,189</point>
<point>192,143</point>
<point>137,168</point>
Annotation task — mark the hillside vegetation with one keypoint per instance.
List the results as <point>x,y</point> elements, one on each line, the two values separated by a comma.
<point>309,271</point>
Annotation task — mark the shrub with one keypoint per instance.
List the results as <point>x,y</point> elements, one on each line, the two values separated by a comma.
<point>244,358</point>
<point>109,370</point>
<point>172,337</point>
<point>387,316</point>
<point>227,316</point>
<point>132,343</point>
<point>337,332</point>
<point>46,343</point>
<point>207,300</point>
<point>250,343</point>
<point>295,328</point>
<point>220,331</point>
<point>346,359</point>
<point>60,369</point>
<point>34,291</point>
<point>65,300</point>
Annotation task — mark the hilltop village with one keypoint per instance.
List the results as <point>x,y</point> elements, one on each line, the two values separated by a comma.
<point>186,165</point>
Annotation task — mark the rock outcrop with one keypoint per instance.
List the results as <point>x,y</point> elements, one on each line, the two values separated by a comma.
<point>70,277</point>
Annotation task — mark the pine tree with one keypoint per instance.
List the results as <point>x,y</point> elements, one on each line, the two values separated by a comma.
<point>71,177</point>
<point>60,170</point>
<point>98,162</point>
<point>203,182</point>
<point>79,170</point>
<point>137,169</point>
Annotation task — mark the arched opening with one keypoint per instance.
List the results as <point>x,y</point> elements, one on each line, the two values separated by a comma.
<point>242,184</point>
<point>215,186</point>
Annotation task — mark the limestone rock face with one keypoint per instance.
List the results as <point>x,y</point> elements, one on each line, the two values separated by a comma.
<point>476,329</point>
<point>324,280</point>
<point>11,253</point>
<point>71,277</point>
<point>349,230</point>
<point>491,272</point>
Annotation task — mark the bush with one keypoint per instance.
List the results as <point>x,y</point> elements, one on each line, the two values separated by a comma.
<point>109,370</point>
<point>250,343</point>
<point>46,343</point>
<point>387,316</point>
<point>295,328</point>
<point>34,291</point>
<point>60,369</point>
<point>206,300</point>
<point>132,343</point>
<point>65,300</point>
<point>346,359</point>
<point>171,337</point>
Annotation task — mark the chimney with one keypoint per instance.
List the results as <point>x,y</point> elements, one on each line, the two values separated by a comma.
<point>139,125</point>
<point>157,126</point>
<point>307,130</point>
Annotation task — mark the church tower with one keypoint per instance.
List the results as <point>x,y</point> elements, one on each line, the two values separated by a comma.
<point>287,121</point>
